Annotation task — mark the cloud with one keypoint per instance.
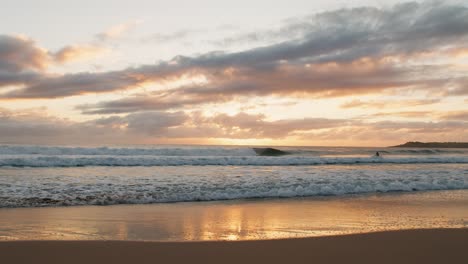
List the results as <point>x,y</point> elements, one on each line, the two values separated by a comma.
<point>77,52</point>
<point>18,53</point>
<point>406,114</point>
<point>36,126</point>
<point>385,132</point>
<point>154,123</point>
<point>454,116</point>
<point>343,52</point>
<point>326,80</point>
<point>118,31</point>
<point>389,104</point>
<point>23,62</point>
<point>255,126</point>
<point>30,126</point>
<point>164,38</point>
<point>73,84</point>
<point>433,115</point>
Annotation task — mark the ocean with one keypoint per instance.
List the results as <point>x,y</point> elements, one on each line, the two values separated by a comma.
<point>40,176</point>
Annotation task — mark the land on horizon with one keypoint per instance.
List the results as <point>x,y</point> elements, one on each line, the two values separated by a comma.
<point>417,144</point>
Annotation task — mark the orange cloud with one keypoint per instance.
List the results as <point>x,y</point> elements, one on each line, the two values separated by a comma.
<point>156,126</point>
<point>77,52</point>
<point>389,104</point>
<point>334,57</point>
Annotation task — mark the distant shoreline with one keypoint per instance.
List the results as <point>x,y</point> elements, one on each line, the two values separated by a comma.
<point>416,144</point>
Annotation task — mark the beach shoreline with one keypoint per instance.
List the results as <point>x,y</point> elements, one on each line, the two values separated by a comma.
<point>402,246</point>
<point>261,219</point>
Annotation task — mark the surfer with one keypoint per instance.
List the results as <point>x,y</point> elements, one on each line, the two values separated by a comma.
<point>377,154</point>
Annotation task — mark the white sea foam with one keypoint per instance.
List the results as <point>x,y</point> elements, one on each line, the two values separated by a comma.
<point>82,161</point>
<point>58,176</point>
<point>126,185</point>
<point>125,151</point>
<point>211,151</point>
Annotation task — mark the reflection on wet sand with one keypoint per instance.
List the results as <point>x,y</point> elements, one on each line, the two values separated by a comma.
<point>239,220</point>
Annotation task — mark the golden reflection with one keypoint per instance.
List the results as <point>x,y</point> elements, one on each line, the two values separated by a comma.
<point>232,237</point>
<point>239,220</point>
<point>122,231</point>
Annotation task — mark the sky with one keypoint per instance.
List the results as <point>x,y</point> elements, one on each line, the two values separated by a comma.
<point>296,72</point>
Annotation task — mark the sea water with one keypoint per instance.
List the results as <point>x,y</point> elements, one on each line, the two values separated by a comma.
<point>37,176</point>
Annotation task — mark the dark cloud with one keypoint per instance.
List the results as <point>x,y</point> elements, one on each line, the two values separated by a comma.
<point>20,54</point>
<point>20,60</point>
<point>154,123</point>
<point>348,51</point>
<point>74,84</point>
<point>36,127</point>
<point>325,80</point>
<point>32,127</point>
<point>17,78</point>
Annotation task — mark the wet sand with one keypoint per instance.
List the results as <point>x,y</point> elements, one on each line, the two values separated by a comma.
<point>420,227</point>
<point>411,246</point>
<point>239,219</point>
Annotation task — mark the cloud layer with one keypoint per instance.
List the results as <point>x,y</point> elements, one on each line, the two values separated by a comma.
<point>407,49</point>
<point>35,126</point>
<point>348,51</point>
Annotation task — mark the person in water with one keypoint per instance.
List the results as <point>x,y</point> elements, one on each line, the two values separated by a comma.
<point>377,154</point>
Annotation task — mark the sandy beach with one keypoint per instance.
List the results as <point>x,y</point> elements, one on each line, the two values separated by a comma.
<point>410,246</point>
<point>259,219</point>
<point>423,227</point>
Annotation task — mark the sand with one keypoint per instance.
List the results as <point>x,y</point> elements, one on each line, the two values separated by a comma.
<point>239,219</point>
<point>410,246</point>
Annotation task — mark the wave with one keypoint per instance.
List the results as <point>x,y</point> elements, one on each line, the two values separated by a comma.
<point>120,151</point>
<point>424,151</point>
<point>166,185</point>
<point>214,151</point>
<point>83,161</point>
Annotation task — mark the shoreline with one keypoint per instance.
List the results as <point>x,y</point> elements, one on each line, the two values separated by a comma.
<point>249,200</point>
<point>402,246</point>
<point>258,219</point>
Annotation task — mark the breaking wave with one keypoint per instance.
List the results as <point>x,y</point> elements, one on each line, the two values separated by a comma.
<point>120,185</point>
<point>32,176</point>
<point>129,151</point>
<point>83,161</point>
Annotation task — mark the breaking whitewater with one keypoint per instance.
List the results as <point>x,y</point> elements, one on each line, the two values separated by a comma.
<point>34,176</point>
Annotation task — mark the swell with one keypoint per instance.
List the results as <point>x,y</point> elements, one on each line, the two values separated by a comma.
<point>84,161</point>
<point>121,151</point>
<point>188,151</point>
